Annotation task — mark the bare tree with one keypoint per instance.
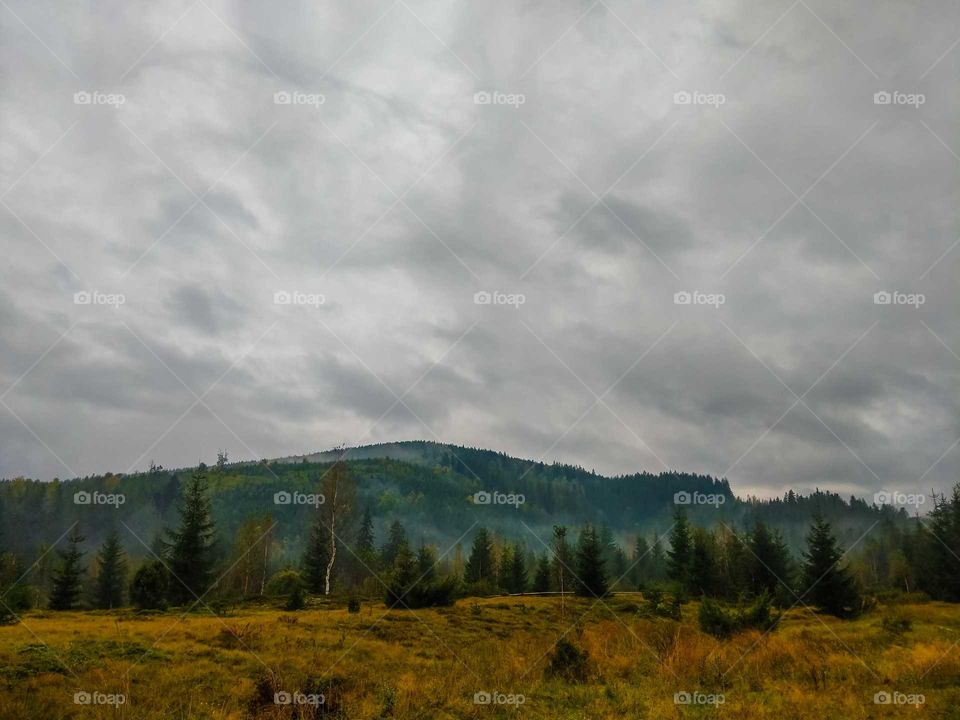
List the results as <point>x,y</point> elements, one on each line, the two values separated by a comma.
<point>339,493</point>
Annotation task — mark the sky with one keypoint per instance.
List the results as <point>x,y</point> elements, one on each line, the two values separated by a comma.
<point>626,235</point>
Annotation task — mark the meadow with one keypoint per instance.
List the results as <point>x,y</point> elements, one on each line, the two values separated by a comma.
<point>500,651</point>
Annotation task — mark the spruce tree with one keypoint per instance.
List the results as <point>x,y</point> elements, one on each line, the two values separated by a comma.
<point>704,578</point>
<point>827,586</point>
<point>191,545</point>
<point>518,571</point>
<point>111,574</point>
<point>680,554</point>
<point>316,557</point>
<point>591,574</point>
<point>562,565</point>
<point>396,536</point>
<point>426,563</point>
<point>541,579</point>
<point>365,532</point>
<point>68,576</point>
<point>481,564</point>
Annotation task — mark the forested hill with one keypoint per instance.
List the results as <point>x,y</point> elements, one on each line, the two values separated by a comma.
<point>429,487</point>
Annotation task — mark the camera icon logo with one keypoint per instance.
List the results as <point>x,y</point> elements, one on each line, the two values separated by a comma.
<point>282,498</point>
<point>682,698</point>
<point>282,297</point>
<point>682,98</point>
<point>282,698</point>
<point>82,698</point>
<point>882,98</point>
<point>82,98</point>
<point>682,498</point>
<point>82,298</point>
<point>82,497</point>
<point>682,298</point>
<point>282,98</point>
<point>482,698</point>
<point>482,498</point>
<point>882,698</point>
<point>481,98</point>
<point>882,298</point>
<point>482,298</point>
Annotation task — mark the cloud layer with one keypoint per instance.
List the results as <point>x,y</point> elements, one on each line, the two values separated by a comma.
<point>379,163</point>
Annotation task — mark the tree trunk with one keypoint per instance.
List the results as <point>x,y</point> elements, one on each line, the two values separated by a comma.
<point>333,537</point>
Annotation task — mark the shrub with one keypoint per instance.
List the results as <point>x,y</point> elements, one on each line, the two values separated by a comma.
<point>715,621</point>
<point>568,662</point>
<point>896,624</point>
<point>148,589</point>
<point>722,623</point>
<point>283,582</point>
<point>438,593</point>
<point>353,605</point>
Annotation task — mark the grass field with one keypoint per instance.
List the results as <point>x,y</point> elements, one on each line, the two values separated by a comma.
<point>431,663</point>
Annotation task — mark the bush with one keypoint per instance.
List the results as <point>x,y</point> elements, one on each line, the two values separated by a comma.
<point>148,589</point>
<point>568,662</point>
<point>438,593</point>
<point>353,605</point>
<point>722,623</point>
<point>283,582</point>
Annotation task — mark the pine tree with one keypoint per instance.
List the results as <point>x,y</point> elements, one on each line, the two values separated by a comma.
<point>591,574</point>
<point>680,554</point>
<point>481,564</point>
<point>828,586</point>
<point>541,580</point>
<point>704,578</point>
<point>426,563</point>
<point>191,545</point>
<point>771,566</point>
<point>111,574</point>
<point>67,578</point>
<point>503,568</point>
<point>365,532</point>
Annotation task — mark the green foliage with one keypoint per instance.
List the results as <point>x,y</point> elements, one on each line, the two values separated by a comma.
<point>481,565</point>
<point>111,574</point>
<point>283,583</point>
<point>191,545</point>
<point>828,586</point>
<point>720,622</point>
<point>591,575</point>
<point>148,589</point>
<point>353,605</point>
<point>68,577</point>
<point>680,554</point>
<point>296,601</point>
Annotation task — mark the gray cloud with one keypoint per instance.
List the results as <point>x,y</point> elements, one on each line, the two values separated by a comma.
<point>304,198</point>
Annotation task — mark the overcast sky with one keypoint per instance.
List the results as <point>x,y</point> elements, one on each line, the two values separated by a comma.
<point>147,158</point>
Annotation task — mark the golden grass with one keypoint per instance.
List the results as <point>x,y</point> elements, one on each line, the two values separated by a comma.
<point>430,663</point>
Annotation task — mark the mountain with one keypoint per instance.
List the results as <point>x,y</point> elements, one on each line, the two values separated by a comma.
<point>430,487</point>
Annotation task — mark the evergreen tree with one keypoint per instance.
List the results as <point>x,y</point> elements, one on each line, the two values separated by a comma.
<point>592,576</point>
<point>481,564</point>
<point>828,587</point>
<point>503,568</point>
<point>111,574</point>
<point>518,571</point>
<point>680,554</point>
<point>426,563</point>
<point>148,589</point>
<point>562,565</point>
<point>191,545</point>
<point>316,557</point>
<point>396,536</point>
<point>68,577</point>
<point>365,532</point>
<point>541,580</point>
<point>640,571</point>
<point>704,579</point>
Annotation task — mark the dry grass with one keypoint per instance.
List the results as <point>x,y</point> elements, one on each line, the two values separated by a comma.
<point>429,663</point>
